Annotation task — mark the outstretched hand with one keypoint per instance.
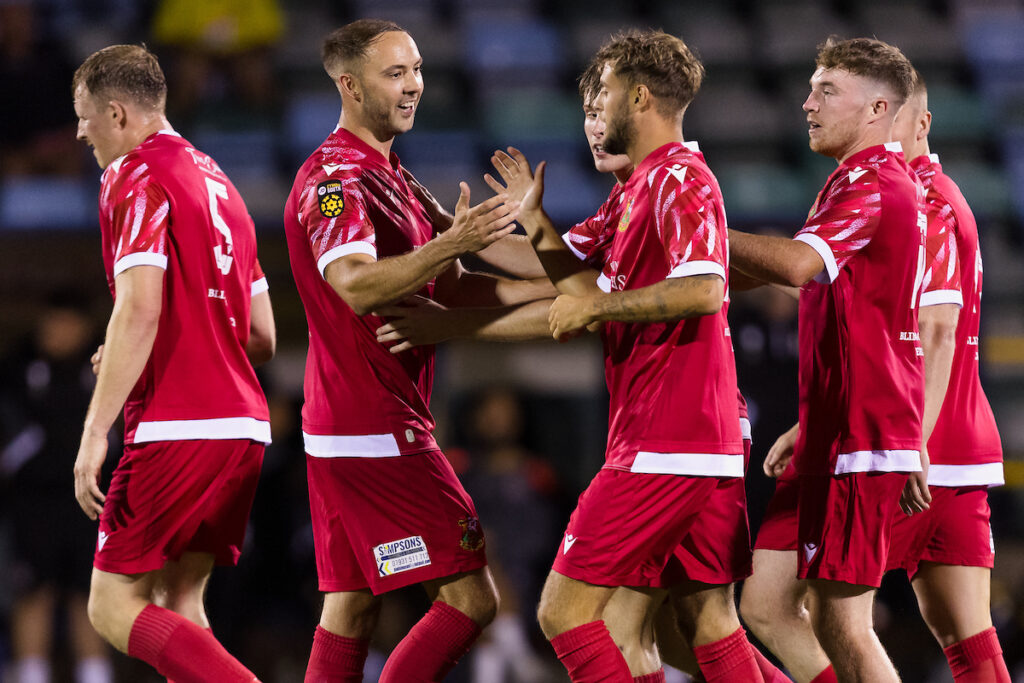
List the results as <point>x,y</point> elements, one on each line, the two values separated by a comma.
<point>477,227</point>
<point>523,186</point>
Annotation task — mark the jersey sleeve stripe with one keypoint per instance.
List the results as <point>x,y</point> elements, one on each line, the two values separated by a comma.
<point>878,461</point>
<point>690,268</point>
<point>351,446</point>
<point>216,428</point>
<point>824,251</point>
<point>942,296</point>
<point>745,428</point>
<point>693,464</point>
<point>568,242</point>
<point>344,250</point>
<point>141,258</point>
<point>987,474</point>
<point>260,286</point>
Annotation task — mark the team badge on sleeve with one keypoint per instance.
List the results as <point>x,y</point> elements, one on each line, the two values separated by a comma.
<point>330,199</point>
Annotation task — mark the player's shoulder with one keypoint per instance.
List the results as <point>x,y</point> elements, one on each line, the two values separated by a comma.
<point>681,168</point>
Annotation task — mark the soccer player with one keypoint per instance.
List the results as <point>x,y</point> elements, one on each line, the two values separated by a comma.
<point>190,303</point>
<point>947,551</point>
<point>859,260</point>
<point>674,429</point>
<point>387,509</point>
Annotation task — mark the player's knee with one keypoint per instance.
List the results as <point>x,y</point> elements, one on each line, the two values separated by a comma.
<point>756,612</point>
<point>100,612</point>
<point>549,618</point>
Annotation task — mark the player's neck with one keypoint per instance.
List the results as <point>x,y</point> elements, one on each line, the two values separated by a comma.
<point>143,131</point>
<point>364,133</point>
<point>653,132</point>
<point>870,137</point>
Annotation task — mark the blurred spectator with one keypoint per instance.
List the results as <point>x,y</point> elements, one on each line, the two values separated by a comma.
<point>513,489</point>
<point>45,392</point>
<point>221,51</point>
<point>37,136</point>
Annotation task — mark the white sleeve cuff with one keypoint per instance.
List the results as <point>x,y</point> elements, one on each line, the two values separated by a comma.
<point>824,251</point>
<point>568,242</point>
<point>142,258</point>
<point>260,286</point>
<point>697,268</point>
<point>344,250</point>
<point>942,296</point>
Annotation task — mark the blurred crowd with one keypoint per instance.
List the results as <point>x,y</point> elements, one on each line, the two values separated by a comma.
<point>524,446</point>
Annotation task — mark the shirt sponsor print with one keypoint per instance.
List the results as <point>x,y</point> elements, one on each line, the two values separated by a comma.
<point>402,555</point>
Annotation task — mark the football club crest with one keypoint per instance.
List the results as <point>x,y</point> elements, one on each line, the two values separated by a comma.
<point>624,221</point>
<point>330,199</point>
<point>472,535</point>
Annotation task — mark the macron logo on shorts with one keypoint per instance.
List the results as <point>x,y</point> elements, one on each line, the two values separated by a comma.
<point>569,540</point>
<point>101,540</point>
<point>810,549</point>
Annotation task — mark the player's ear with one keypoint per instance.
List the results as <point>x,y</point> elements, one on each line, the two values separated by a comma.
<point>642,96</point>
<point>118,113</point>
<point>350,87</point>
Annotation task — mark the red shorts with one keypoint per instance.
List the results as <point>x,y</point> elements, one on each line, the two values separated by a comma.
<point>627,525</point>
<point>955,530</point>
<point>717,549</point>
<point>171,497</point>
<point>385,523</point>
<point>845,524</point>
<point>779,527</point>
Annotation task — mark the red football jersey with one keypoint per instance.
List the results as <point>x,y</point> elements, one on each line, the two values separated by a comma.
<point>673,385</point>
<point>590,239</point>
<point>167,204</point>
<point>964,448</point>
<point>360,399</point>
<point>861,369</point>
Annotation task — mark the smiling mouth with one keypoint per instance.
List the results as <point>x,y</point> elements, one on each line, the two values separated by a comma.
<point>408,107</point>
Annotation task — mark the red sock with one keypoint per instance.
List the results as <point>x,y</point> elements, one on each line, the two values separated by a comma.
<point>590,655</point>
<point>978,659</point>
<point>827,675</point>
<point>729,659</point>
<point>336,659</point>
<point>181,650</point>
<point>769,671</point>
<point>433,646</point>
<point>656,677</point>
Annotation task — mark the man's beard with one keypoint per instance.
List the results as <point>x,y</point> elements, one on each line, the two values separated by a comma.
<point>620,133</point>
<point>378,118</point>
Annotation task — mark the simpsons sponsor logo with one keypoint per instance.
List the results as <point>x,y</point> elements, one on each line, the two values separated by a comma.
<point>402,555</point>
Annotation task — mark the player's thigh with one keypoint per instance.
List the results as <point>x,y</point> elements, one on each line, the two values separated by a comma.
<point>351,614</point>
<point>954,600</point>
<point>182,582</point>
<point>773,586</point>
<point>840,610</point>
<point>473,593</point>
<point>630,612</point>
<point>566,603</point>
<point>115,600</point>
<point>705,612</point>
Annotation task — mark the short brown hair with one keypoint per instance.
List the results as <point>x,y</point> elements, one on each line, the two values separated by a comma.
<point>871,58</point>
<point>590,81</point>
<point>657,60</point>
<point>128,71</point>
<point>347,45</point>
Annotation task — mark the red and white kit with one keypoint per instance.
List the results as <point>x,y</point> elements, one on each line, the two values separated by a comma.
<point>965,451</point>
<point>168,205</point>
<point>363,404</point>
<point>861,369</point>
<point>673,385</point>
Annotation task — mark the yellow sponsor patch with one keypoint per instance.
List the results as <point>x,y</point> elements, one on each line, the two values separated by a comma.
<point>330,199</point>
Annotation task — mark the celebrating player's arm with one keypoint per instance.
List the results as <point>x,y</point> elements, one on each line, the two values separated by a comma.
<point>367,284</point>
<point>125,352</point>
<point>512,253</point>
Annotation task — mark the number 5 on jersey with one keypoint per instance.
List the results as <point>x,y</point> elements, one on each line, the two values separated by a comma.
<point>222,251</point>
